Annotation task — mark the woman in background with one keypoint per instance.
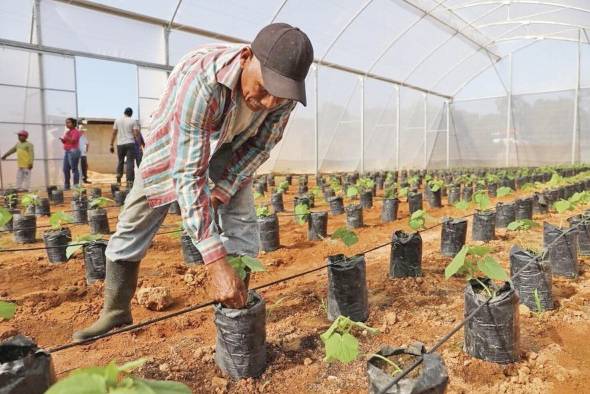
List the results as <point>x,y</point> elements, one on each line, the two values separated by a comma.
<point>71,143</point>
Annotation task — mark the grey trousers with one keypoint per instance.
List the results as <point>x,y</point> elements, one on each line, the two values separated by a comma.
<point>138,223</point>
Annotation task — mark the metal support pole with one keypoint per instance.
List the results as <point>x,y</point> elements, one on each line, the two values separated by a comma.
<point>508,113</point>
<point>362,82</point>
<point>316,125</point>
<point>167,46</point>
<point>397,128</point>
<point>575,139</point>
<point>37,16</point>
<point>425,164</point>
<point>448,136</point>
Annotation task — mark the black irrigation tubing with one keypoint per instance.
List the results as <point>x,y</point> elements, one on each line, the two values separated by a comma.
<point>460,325</point>
<point>49,225</point>
<point>204,305</point>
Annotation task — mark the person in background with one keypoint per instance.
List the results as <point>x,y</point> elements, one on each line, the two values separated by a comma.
<point>125,131</point>
<point>84,145</point>
<point>25,154</point>
<point>71,142</point>
<point>139,145</point>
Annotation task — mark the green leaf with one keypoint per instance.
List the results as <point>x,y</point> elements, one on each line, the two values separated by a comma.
<point>131,365</point>
<point>481,199</point>
<point>262,211</point>
<point>348,237</point>
<point>253,264</point>
<point>562,206</point>
<point>492,269</point>
<point>417,224</point>
<point>479,250</point>
<point>257,195</point>
<point>5,216</point>
<point>99,202</point>
<point>462,205</point>
<point>457,263</point>
<point>29,199</point>
<point>79,383</point>
<point>352,192</point>
<point>238,265</point>
<point>403,192</point>
<point>513,226</point>
<point>72,249</point>
<point>344,348</point>
<point>503,191</point>
<point>301,212</point>
<point>7,310</point>
<point>58,219</point>
<point>417,214</point>
<point>160,387</point>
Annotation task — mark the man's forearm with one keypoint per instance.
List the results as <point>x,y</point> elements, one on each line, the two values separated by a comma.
<point>113,137</point>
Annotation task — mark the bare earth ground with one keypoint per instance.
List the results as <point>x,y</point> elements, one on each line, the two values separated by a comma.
<point>54,300</point>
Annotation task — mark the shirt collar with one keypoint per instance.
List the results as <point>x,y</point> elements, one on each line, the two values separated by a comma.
<point>229,73</point>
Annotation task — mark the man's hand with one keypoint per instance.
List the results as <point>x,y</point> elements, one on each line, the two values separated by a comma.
<point>112,149</point>
<point>227,287</point>
<point>216,202</point>
<point>31,167</point>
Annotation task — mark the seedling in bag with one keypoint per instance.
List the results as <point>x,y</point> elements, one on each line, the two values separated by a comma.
<point>352,192</point>
<point>243,265</point>
<point>481,200</point>
<point>80,242</point>
<point>7,310</point>
<point>521,225</point>
<point>503,191</point>
<point>538,305</point>
<point>389,192</point>
<point>473,260</point>
<point>282,187</point>
<point>5,216</point>
<point>365,184</point>
<point>29,200</point>
<point>114,378</point>
<point>335,185</point>
<point>418,220</point>
<point>340,343</point>
<point>462,205</point>
<point>99,202</point>
<point>435,185</point>
<point>348,237</point>
<point>262,211</point>
<point>58,219</point>
<point>301,213</point>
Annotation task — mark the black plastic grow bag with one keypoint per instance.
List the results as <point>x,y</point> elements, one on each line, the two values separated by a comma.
<point>43,208</point>
<point>120,196</point>
<point>354,216</point>
<point>367,199</point>
<point>276,200</point>
<point>414,201</point>
<point>562,250</point>
<point>95,260</point>
<point>95,192</point>
<point>389,210</point>
<point>523,208</point>
<point>347,288</point>
<point>57,196</point>
<point>98,221</point>
<point>535,277</point>
<point>405,258</point>
<point>24,228</point>
<point>484,226</point>
<point>540,204</point>
<point>317,226</point>
<point>582,223</point>
<point>56,242</point>
<point>8,225</point>
<point>454,195</point>
<point>467,193</point>
<point>453,236</point>
<point>24,368</point>
<point>493,334</point>
<point>240,347</point>
<point>80,209</point>
<point>336,205</point>
<point>505,214</point>
<point>432,377</point>
<point>268,230</point>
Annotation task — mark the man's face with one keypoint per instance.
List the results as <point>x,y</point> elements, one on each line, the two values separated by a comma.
<point>22,138</point>
<point>69,124</point>
<point>257,98</point>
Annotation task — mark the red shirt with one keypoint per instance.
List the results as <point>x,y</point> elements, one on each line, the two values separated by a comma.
<point>71,139</point>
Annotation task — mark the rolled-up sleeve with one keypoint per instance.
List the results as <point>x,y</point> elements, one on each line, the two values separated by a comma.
<point>255,151</point>
<point>197,110</point>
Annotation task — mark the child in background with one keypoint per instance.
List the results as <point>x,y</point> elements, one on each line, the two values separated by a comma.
<point>25,155</point>
<point>84,145</point>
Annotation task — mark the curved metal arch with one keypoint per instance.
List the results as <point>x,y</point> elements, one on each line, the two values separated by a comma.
<point>531,2</point>
<point>431,53</point>
<point>278,11</point>
<point>344,28</point>
<point>532,22</point>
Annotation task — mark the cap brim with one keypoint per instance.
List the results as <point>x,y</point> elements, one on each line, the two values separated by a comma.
<point>283,87</point>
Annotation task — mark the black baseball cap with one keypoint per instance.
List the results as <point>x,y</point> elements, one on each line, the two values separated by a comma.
<point>285,54</point>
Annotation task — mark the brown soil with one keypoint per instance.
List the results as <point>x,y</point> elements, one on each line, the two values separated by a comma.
<point>53,301</point>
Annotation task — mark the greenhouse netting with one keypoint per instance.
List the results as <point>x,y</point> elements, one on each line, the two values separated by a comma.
<point>395,84</point>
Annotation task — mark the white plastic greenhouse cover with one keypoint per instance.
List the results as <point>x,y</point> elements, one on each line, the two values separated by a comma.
<point>396,83</point>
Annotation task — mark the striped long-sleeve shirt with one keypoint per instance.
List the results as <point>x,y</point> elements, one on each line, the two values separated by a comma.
<point>195,113</point>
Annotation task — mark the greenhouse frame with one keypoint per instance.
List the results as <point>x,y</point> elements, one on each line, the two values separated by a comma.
<point>395,84</point>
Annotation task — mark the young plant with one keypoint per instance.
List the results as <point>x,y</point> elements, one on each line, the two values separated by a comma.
<point>257,195</point>
<point>282,187</point>
<point>481,199</point>
<point>365,184</point>
<point>7,310</point>
<point>339,343</point>
<point>29,200</point>
<point>389,192</point>
<point>396,368</point>
<point>80,242</point>
<point>528,187</point>
<point>521,225</point>
<point>5,216</point>
<point>58,219</point>
<point>301,213</point>
<point>403,192</point>
<point>538,305</point>
<point>352,192</point>
<point>473,260</point>
<point>262,211</point>
<point>99,202</point>
<point>418,220</point>
<point>462,205</point>
<point>113,378</point>
<point>10,200</point>
<point>245,264</point>
<point>335,185</point>
<point>348,237</point>
<point>503,191</point>
<point>435,185</point>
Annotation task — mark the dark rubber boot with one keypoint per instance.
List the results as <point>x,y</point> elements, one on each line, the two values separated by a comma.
<point>120,284</point>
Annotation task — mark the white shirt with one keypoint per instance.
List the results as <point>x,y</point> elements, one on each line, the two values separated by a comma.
<point>243,118</point>
<point>83,144</point>
<point>125,126</point>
